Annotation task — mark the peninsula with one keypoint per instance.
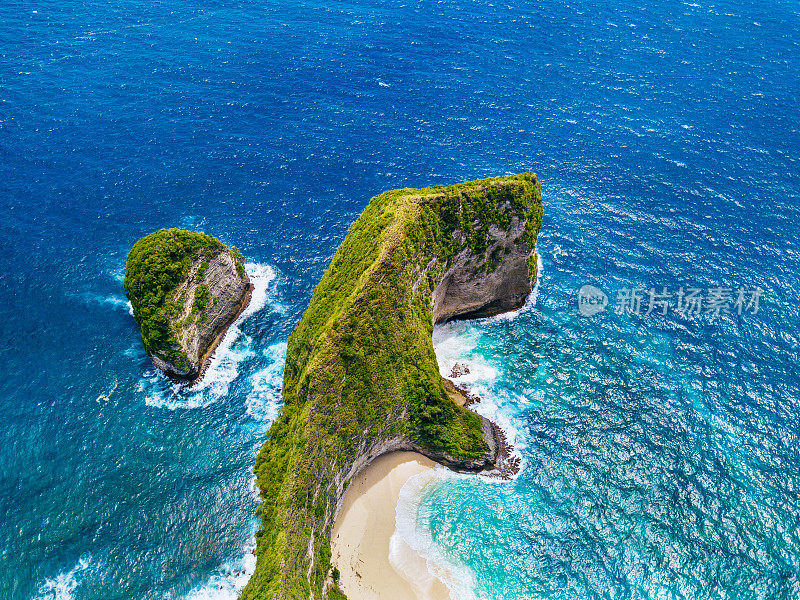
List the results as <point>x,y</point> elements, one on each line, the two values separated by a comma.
<point>186,288</point>
<point>361,378</point>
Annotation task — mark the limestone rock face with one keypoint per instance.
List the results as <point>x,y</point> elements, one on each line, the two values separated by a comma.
<point>229,294</point>
<point>467,291</point>
<point>186,289</point>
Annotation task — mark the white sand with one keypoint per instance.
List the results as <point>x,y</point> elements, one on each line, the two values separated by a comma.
<point>363,530</point>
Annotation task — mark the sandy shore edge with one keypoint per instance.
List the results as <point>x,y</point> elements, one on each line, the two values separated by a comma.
<point>360,542</point>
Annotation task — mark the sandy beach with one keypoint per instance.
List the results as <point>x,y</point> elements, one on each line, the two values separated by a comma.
<point>363,532</point>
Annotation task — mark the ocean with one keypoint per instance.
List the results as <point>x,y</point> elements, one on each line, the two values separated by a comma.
<point>660,455</point>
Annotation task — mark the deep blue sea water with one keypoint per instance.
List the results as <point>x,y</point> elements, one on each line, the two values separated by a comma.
<point>661,453</point>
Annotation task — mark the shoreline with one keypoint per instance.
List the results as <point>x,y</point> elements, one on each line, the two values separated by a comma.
<point>361,540</point>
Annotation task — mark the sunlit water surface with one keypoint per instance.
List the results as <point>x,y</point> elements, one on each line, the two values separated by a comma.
<point>660,453</point>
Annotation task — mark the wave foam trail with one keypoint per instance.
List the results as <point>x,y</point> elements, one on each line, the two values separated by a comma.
<point>266,385</point>
<point>458,343</point>
<point>223,367</point>
<point>229,580</point>
<point>412,551</point>
<point>260,276</point>
<point>117,273</point>
<point>112,300</point>
<point>64,584</point>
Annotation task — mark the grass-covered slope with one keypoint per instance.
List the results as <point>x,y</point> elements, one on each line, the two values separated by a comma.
<point>156,266</point>
<point>361,371</point>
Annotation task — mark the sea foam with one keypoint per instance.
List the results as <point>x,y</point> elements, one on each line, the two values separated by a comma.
<point>413,552</point>
<point>227,582</point>
<point>62,586</point>
<point>113,300</point>
<point>263,403</point>
<point>266,385</point>
<point>458,342</point>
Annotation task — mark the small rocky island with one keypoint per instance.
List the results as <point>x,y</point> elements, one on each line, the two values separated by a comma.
<point>361,377</point>
<point>186,288</point>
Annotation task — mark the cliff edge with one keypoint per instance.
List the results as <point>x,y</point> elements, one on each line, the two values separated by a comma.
<point>361,377</point>
<point>186,288</point>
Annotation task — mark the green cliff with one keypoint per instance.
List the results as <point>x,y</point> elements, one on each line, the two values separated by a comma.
<point>361,377</point>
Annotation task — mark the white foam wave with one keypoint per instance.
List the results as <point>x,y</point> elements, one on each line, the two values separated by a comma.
<point>117,273</point>
<point>266,385</point>
<point>457,342</point>
<point>255,492</point>
<point>223,368</point>
<point>135,351</point>
<point>502,407</point>
<point>260,276</point>
<point>229,580</point>
<point>112,300</point>
<point>222,371</point>
<point>64,584</point>
<point>413,552</point>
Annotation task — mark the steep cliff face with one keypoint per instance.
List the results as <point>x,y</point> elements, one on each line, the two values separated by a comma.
<point>361,377</point>
<point>186,289</point>
<point>488,283</point>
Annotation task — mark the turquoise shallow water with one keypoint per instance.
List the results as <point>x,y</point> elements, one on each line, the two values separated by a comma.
<point>660,452</point>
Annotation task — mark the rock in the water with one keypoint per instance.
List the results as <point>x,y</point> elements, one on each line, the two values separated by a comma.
<point>458,370</point>
<point>186,289</point>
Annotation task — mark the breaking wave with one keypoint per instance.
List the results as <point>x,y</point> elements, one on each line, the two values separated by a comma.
<point>227,582</point>
<point>62,586</point>
<point>413,552</point>
<point>266,385</point>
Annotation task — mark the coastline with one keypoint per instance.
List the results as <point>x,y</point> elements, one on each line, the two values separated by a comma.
<point>361,541</point>
<point>361,377</point>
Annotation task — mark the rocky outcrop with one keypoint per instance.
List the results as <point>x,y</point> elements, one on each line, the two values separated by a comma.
<point>361,377</point>
<point>486,284</point>
<point>186,289</point>
<point>459,370</point>
<point>198,333</point>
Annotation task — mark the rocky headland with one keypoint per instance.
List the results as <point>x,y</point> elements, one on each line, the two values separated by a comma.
<point>361,377</point>
<point>186,289</point>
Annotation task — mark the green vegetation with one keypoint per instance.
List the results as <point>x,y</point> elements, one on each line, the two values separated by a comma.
<point>360,367</point>
<point>336,594</point>
<point>156,266</point>
<point>239,261</point>
<point>202,269</point>
<point>201,298</point>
